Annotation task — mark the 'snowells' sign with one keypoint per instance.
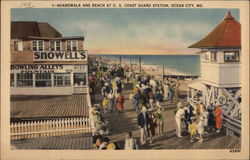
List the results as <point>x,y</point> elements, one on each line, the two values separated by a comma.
<point>59,56</point>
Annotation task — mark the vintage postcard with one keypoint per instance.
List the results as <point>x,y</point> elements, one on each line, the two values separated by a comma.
<point>166,79</point>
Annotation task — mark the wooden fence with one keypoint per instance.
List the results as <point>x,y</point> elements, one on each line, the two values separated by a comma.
<point>57,127</point>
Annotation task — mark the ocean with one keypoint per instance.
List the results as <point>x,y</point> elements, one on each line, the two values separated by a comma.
<point>180,64</point>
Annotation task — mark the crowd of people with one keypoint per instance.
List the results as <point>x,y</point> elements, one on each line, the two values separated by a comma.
<point>147,97</point>
<point>101,125</point>
<point>198,119</point>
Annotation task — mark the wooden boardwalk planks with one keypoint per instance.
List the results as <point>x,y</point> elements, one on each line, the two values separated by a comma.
<point>79,142</point>
<point>123,122</point>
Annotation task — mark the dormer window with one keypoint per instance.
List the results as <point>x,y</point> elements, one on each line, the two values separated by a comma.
<point>38,45</point>
<point>213,56</point>
<point>72,45</point>
<point>55,45</point>
<point>231,56</point>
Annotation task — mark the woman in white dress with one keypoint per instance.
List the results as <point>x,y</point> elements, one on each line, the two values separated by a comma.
<point>200,127</point>
<point>178,117</point>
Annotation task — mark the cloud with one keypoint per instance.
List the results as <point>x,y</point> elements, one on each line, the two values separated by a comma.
<point>135,38</point>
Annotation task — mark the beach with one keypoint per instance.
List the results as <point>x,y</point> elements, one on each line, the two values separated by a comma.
<point>154,70</point>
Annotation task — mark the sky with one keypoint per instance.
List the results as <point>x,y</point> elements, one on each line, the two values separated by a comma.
<point>130,30</point>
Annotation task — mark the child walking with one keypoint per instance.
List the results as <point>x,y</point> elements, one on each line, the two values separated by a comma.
<point>192,129</point>
<point>105,105</point>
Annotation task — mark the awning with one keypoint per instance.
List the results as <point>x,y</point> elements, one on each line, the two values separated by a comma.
<point>46,107</point>
<point>198,86</point>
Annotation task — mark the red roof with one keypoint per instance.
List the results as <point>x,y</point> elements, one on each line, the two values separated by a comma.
<point>226,34</point>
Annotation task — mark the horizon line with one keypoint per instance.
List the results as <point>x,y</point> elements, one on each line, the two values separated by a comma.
<point>142,54</point>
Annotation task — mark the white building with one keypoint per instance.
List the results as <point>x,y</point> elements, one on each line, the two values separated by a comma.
<point>220,81</point>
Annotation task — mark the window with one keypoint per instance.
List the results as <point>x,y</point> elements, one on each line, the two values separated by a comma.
<point>12,79</point>
<point>62,79</point>
<point>37,45</point>
<point>213,56</point>
<point>18,46</point>
<point>55,45</point>
<point>79,79</point>
<point>205,57</point>
<point>72,45</point>
<point>43,79</point>
<point>24,79</point>
<point>15,45</point>
<point>231,56</point>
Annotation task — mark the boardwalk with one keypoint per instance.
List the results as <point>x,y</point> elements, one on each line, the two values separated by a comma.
<point>127,121</point>
<point>124,122</point>
<point>69,142</point>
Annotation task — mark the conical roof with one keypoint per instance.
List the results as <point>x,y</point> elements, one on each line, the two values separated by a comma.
<point>226,34</point>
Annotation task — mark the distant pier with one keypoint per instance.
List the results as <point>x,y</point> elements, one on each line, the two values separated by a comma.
<point>182,77</point>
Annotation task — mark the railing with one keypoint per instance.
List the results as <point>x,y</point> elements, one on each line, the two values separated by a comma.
<point>19,130</point>
<point>80,89</point>
<point>232,125</point>
<point>192,101</point>
<point>91,122</point>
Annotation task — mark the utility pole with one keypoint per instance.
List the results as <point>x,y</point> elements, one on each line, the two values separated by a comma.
<point>130,63</point>
<point>140,63</point>
<point>163,72</point>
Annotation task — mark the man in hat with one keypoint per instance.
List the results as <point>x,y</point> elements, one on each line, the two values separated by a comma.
<point>105,89</point>
<point>104,143</point>
<point>211,118</point>
<point>178,117</point>
<point>159,98</point>
<point>143,122</point>
<point>171,93</point>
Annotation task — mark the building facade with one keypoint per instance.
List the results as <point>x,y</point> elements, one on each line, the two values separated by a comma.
<point>220,81</point>
<point>45,63</point>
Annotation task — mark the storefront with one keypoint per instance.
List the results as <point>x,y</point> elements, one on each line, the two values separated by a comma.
<point>45,63</point>
<point>48,79</point>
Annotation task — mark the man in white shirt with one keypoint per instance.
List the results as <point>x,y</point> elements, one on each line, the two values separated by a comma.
<point>165,88</point>
<point>130,142</point>
<point>178,116</point>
